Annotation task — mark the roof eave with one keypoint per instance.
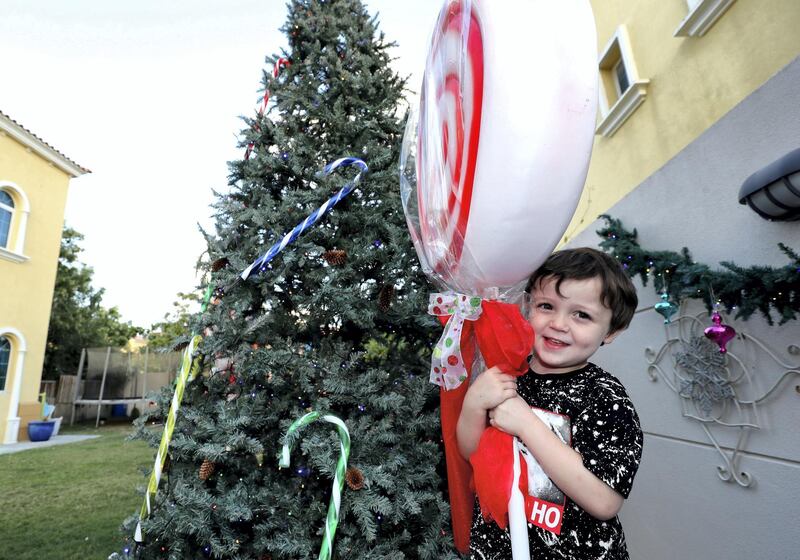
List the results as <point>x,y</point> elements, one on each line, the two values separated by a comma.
<point>28,139</point>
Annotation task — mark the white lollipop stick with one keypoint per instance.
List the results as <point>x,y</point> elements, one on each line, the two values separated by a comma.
<point>517,524</point>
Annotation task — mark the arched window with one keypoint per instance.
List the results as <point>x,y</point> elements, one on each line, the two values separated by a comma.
<point>14,212</point>
<point>5,359</point>
<point>6,214</point>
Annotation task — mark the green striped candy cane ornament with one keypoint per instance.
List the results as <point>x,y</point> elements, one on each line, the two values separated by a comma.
<point>332,519</point>
<point>189,368</point>
<point>186,373</point>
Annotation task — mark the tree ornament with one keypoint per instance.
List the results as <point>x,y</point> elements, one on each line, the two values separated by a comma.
<point>219,264</point>
<point>233,392</point>
<point>260,264</point>
<point>206,470</point>
<point>758,288</point>
<point>332,519</point>
<point>335,257</point>
<point>385,297</point>
<point>665,308</point>
<point>185,374</point>
<point>720,333</point>
<point>354,478</point>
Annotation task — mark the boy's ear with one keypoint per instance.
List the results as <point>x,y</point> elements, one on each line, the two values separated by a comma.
<point>611,336</point>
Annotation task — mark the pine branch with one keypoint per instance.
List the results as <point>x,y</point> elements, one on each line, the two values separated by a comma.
<point>772,291</point>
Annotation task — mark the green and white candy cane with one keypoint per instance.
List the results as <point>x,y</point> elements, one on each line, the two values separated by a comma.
<point>332,519</point>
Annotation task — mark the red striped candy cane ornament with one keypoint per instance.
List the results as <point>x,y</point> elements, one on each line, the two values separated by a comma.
<point>279,64</point>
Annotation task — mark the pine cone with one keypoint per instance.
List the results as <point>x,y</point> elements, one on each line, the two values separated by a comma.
<point>354,478</point>
<point>335,257</point>
<point>167,464</point>
<point>219,264</point>
<point>385,297</point>
<point>206,469</point>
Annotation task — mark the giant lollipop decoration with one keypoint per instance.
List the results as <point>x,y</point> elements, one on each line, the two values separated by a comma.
<point>506,124</point>
<point>491,174</point>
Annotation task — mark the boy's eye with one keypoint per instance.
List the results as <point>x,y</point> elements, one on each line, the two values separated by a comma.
<point>583,315</point>
<point>543,306</point>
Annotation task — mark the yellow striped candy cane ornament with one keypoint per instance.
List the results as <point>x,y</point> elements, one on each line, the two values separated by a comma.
<point>189,369</point>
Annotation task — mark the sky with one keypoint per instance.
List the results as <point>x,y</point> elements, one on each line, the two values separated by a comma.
<point>148,95</point>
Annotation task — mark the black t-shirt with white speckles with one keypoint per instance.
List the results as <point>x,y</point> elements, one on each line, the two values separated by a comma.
<point>605,431</point>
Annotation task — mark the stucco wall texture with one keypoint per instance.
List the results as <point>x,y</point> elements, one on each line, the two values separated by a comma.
<point>679,507</point>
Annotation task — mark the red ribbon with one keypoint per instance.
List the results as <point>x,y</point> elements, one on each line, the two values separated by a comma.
<point>505,340</point>
<point>280,63</point>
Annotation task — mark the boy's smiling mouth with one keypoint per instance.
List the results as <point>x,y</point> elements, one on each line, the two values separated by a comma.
<point>554,342</point>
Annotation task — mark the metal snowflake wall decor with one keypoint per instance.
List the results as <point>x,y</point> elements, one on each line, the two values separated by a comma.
<point>706,382</point>
<point>714,387</point>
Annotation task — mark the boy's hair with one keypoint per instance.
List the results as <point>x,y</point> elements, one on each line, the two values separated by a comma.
<point>617,292</point>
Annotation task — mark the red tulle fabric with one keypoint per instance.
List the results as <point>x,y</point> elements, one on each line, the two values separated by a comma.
<point>505,339</point>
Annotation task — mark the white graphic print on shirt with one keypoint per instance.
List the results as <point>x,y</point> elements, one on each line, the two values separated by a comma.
<point>544,504</point>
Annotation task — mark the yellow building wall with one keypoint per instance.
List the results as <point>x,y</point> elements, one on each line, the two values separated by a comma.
<point>693,82</point>
<point>27,288</point>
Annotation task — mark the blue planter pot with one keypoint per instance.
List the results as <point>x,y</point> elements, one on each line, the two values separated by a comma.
<point>40,431</point>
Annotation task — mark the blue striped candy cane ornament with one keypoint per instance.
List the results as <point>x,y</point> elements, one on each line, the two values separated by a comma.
<point>260,263</point>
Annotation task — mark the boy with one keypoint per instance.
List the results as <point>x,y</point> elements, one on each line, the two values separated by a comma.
<point>577,422</point>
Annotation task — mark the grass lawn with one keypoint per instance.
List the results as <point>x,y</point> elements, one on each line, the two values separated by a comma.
<point>67,502</point>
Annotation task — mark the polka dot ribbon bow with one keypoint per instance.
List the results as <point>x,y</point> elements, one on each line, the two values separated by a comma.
<point>447,365</point>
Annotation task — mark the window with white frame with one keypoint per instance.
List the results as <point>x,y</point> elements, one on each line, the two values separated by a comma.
<point>701,15</point>
<point>621,81</point>
<point>14,211</point>
<point>622,90</point>
<point>5,360</point>
<point>6,216</point>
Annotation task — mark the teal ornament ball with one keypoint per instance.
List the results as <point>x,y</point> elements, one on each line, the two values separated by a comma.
<point>666,308</point>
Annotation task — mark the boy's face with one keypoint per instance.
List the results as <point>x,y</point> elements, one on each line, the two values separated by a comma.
<point>569,327</point>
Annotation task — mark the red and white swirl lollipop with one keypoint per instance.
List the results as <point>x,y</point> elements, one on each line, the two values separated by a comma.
<point>506,124</point>
<point>490,177</point>
<point>448,149</point>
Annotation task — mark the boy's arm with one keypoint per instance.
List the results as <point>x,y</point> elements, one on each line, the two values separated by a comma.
<point>471,423</point>
<point>558,460</point>
<point>490,389</point>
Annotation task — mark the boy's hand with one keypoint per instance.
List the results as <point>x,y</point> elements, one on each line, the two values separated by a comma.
<point>491,388</point>
<point>511,416</point>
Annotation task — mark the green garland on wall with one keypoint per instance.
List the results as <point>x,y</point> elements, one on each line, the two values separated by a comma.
<point>772,291</point>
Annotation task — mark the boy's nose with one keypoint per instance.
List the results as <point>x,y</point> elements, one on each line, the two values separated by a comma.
<point>558,324</point>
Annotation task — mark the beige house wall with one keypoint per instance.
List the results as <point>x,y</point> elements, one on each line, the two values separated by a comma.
<point>694,81</point>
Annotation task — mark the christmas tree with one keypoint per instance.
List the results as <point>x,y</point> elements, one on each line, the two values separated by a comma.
<point>335,323</point>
